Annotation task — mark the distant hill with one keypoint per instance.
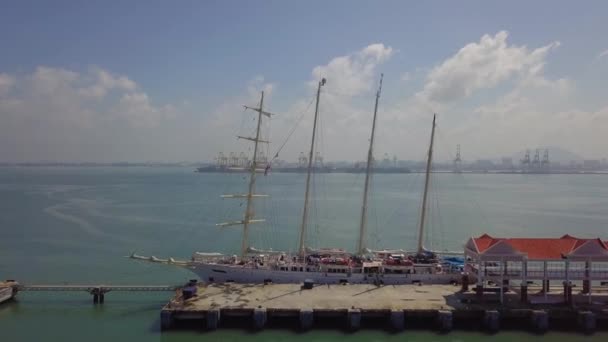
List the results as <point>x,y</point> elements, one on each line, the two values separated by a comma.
<point>556,154</point>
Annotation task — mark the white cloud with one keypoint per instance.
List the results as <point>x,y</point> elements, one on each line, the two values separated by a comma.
<point>6,83</point>
<point>228,114</point>
<point>351,74</point>
<point>492,96</point>
<point>532,110</point>
<point>482,65</point>
<point>219,127</point>
<point>51,111</point>
<point>106,81</point>
<point>347,102</point>
<point>258,84</point>
<point>56,93</point>
<point>494,99</point>
<point>348,77</point>
<point>138,110</point>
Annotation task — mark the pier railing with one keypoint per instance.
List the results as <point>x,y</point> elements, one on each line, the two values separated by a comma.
<point>107,288</point>
<point>98,291</point>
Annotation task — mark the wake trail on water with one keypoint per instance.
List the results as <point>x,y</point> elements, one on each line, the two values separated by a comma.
<point>86,226</point>
<point>137,219</point>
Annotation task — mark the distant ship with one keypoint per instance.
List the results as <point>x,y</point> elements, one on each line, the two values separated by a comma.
<point>223,169</point>
<point>228,169</point>
<point>376,170</point>
<point>299,169</point>
<point>324,265</point>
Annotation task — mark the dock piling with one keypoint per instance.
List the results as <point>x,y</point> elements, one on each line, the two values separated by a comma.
<point>491,320</point>
<point>540,321</point>
<point>306,318</point>
<point>213,319</point>
<point>259,318</point>
<point>397,320</point>
<point>587,322</point>
<point>444,320</point>
<point>354,319</point>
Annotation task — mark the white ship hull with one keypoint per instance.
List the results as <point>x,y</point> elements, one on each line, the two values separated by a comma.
<point>6,293</point>
<point>249,275</point>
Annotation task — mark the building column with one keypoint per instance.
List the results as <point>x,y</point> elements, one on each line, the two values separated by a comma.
<point>567,286</point>
<point>587,279</point>
<point>524,293</point>
<point>545,280</point>
<point>502,277</point>
<point>480,274</point>
<point>506,281</point>
<point>524,280</point>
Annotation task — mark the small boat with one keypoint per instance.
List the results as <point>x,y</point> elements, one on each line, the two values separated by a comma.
<point>8,290</point>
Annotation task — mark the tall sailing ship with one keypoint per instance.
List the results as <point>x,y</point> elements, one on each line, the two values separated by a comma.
<point>325,265</point>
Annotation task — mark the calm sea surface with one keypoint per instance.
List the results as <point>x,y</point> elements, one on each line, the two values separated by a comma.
<point>76,225</point>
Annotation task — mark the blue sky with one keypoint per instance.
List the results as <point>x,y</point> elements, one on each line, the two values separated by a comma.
<point>179,69</point>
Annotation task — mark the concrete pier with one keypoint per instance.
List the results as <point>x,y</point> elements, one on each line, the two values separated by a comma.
<point>444,320</point>
<point>354,319</point>
<point>213,319</point>
<point>397,320</point>
<point>259,318</point>
<point>587,322</point>
<point>491,320</point>
<point>540,321</point>
<point>306,319</point>
<point>393,306</point>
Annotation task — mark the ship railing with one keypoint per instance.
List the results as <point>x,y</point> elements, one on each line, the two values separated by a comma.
<point>215,259</point>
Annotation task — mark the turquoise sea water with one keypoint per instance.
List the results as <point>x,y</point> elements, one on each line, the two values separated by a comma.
<point>76,225</point>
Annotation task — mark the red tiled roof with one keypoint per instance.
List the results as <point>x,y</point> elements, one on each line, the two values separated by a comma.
<point>484,242</point>
<point>544,248</point>
<point>536,248</point>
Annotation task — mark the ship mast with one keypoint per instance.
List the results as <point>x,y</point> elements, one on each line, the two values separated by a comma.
<point>426,189</point>
<point>301,247</point>
<point>370,157</point>
<point>250,195</point>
